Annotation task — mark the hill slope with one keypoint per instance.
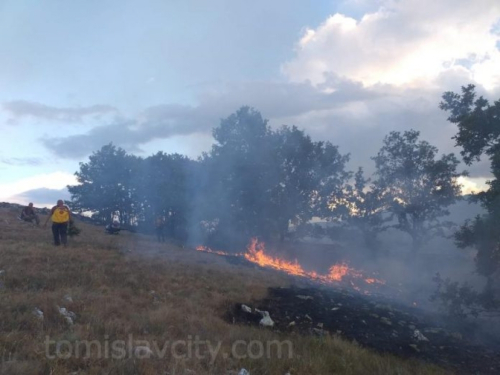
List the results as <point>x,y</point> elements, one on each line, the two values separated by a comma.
<point>127,305</point>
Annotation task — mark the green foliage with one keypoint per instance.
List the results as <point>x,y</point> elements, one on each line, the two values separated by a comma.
<point>365,207</point>
<point>106,185</point>
<point>479,133</point>
<point>260,180</point>
<point>418,186</point>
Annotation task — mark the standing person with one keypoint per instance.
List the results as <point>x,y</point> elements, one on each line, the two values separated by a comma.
<point>61,216</point>
<point>28,214</point>
<point>160,228</point>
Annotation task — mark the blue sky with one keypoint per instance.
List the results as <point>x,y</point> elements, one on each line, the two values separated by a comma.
<point>159,75</point>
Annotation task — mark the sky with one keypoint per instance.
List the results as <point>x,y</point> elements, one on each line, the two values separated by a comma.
<point>158,75</point>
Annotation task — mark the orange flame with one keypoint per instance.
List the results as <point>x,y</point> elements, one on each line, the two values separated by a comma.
<point>256,254</point>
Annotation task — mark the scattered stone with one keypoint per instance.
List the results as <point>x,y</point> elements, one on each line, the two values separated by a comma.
<point>411,326</point>
<point>308,317</point>
<point>386,321</point>
<point>38,313</point>
<point>304,297</point>
<point>291,324</point>
<point>335,308</point>
<point>266,320</point>
<point>246,309</point>
<point>2,272</point>
<point>456,335</point>
<point>419,336</point>
<point>375,316</point>
<point>363,321</point>
<point>243,372</point>
<point>70,316</point>
<point>320,325</point>
<point>68,298</point>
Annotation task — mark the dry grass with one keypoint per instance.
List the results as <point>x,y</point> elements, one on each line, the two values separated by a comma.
<point>129,285</point>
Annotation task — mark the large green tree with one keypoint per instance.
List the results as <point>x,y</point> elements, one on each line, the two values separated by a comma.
<point>420,186</point>
<point>478,134</point>
<point>106,185</point>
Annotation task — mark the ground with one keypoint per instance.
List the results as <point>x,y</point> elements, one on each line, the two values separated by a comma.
<point>123,294</point>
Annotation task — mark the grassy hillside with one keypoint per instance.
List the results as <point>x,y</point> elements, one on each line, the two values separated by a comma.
<point>127,288</point>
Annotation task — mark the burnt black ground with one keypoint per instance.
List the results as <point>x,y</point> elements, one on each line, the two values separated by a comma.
<point>376,323</point>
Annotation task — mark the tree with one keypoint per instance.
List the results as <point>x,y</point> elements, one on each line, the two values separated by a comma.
<point>164,188</point>
<point>419,187</point>
<point>105,185</point>
<point>241,177</point>
<point>308,171</point>
<point>365,207</point>
<point>479,133</point>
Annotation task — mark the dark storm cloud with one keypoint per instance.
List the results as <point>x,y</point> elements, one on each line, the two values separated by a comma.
<point>22,108</point>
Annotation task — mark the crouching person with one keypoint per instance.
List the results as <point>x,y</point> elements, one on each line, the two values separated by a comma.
<point>28,214</point>
<point>113,228</point>
<point>60,216</point>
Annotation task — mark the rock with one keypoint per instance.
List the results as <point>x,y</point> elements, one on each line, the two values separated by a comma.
<point>386,321</point>
<point>68,315</point>
<point>374,316</point>
<point>68,298</point>
<point>419,336</point>
<point>266,320</point>
<point>243,372</point>
<point>411,326</point>
<point>291,324</point>
<point>320,325</point>
<point>304,297</point>
<point>308,317</point>
<point>246,309</point>
<point>38,313</point>
<point>336,308</point>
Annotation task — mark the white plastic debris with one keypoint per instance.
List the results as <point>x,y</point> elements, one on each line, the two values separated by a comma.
<point>419,336</point>
<point>266,320</point>
<point>68,315</point>
<point>38,313</point>
<point>243,372</point>
<point>246,309</point>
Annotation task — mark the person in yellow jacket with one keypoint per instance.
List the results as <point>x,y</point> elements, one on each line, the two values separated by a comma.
<point>61,216</point>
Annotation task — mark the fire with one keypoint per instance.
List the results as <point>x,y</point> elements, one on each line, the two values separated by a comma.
<point>337,273</point>
<point>257,255</point>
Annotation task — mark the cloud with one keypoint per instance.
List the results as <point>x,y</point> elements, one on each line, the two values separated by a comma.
<point>351,81</point>
<point>22,161</point>
<point>53,181</point>
<point>22,108</point>
<point>41,196</point>
<point>403,43</point>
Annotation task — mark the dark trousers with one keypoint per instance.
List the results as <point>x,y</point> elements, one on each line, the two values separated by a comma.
<point>60,232</point>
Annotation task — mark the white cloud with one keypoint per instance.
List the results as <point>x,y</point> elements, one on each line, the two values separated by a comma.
<point>11,192</point>
<point>403,43</point>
